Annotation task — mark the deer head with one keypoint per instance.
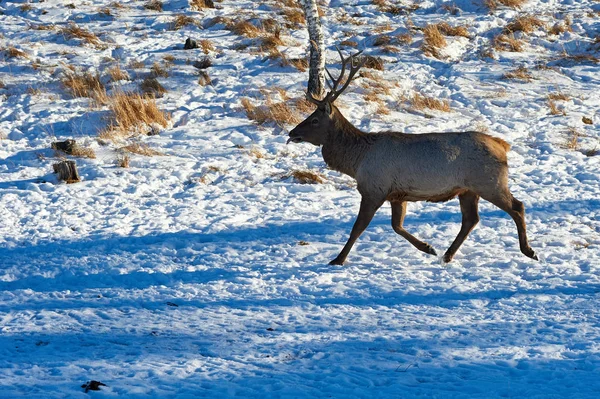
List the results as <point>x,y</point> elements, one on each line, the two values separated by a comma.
<point>315,128</point>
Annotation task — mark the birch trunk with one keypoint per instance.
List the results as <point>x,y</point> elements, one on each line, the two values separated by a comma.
<point>316,73</point>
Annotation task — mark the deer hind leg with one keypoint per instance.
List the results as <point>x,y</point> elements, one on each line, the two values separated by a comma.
<point>368,208</point>
<point>398,213</point>
<point>516,210</point>
<point>470,217</point>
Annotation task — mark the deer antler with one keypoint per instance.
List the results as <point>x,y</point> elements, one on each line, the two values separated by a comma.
<point>334,93</point>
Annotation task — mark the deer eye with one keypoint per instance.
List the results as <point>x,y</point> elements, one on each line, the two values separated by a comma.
<point>314,122</point>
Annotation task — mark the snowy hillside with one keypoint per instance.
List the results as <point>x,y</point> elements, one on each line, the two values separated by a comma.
<point>191,260</point>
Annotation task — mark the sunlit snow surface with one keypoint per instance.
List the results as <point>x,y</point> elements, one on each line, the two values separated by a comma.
<point>182,275</point>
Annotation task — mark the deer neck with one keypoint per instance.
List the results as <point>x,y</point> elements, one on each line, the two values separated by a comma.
<point>345,146</point>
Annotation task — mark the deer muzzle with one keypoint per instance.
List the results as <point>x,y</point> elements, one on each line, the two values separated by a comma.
<point>294,138</point>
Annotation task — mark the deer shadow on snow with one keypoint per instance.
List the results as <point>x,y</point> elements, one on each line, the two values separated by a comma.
<point>94,261</point>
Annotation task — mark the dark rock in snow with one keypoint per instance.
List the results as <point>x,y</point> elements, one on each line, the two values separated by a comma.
<point>190,44</point>
<point>93,385</point>
<point>66,146</point>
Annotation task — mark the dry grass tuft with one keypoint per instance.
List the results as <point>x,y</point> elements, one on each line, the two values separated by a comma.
<point>375,76</point>
<point>274,53</point>
<point>520,73</point>
<point>206,46</point>
<point>84,84</point>
<point>183,20</point>
<point>508,43</point>
<point>302,105</point>
<point>201,4</point>
<point>158,70</point>
<point>204,79</point>
<point>300,64</point>
<point>395,9</point>
<point>141,149</point>
<point>132,113</point>
<point>448,30</point>
<point>305,176</point>
<point>377,86</point>
<point>405,39</point>
<point>218,20</point>
<point>374,63</point>
<point>43,27</point>
<point>349,43</point>
<point>579,58</point>
<point>525,24</point>
<point>561,27</point>
<point>154,5</point>
<point>117,5</point>
<point>279,113</point>
<point>572,140</point>
<point>558,96</point>
<point>382,40</point>
<point>34,91</point>
<point>494,4</point>
<point>13,52</point>
<point>74,31</point>
<point>554,110</point>
<point>294,17</point>
<point>105,11</point>
<point>382,28</point>
<point>123,160</point>
<point>153,87</point>
<point>83,152</point>
<point>270,42</point>
<point>433,40</point>
<point>390,49</point>
<point>373,96</point>
<point>420,101</point>
<point>344,18</point>
<point>136,64</point>
<point>245,28</point>
<point>26,7</point>
<point>256,153</point>
<point>116,74</point>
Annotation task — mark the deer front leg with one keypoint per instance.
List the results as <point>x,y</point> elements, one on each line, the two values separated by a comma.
<point>368,207</point>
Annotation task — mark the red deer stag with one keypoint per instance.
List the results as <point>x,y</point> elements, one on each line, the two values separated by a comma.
<point>398,167</point>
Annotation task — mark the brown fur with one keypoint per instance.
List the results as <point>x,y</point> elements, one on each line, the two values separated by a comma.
<point>503,143</point>
<point>400,168</point>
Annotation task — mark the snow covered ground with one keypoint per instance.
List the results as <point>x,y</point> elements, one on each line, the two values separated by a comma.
<point>183,275</point>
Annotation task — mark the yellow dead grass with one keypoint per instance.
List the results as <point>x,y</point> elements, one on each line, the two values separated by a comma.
<point>132,113</point>
<point>420,101</point>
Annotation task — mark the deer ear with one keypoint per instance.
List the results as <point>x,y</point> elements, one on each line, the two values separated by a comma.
<point>327,108</point>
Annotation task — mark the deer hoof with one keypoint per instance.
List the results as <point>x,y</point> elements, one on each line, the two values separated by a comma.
<point>448,258</point>
<point>429,249</point>
<point>530,253</point>
<point>337,261</point>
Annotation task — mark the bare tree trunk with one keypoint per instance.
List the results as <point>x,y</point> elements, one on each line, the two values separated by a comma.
<point>316,74</point>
